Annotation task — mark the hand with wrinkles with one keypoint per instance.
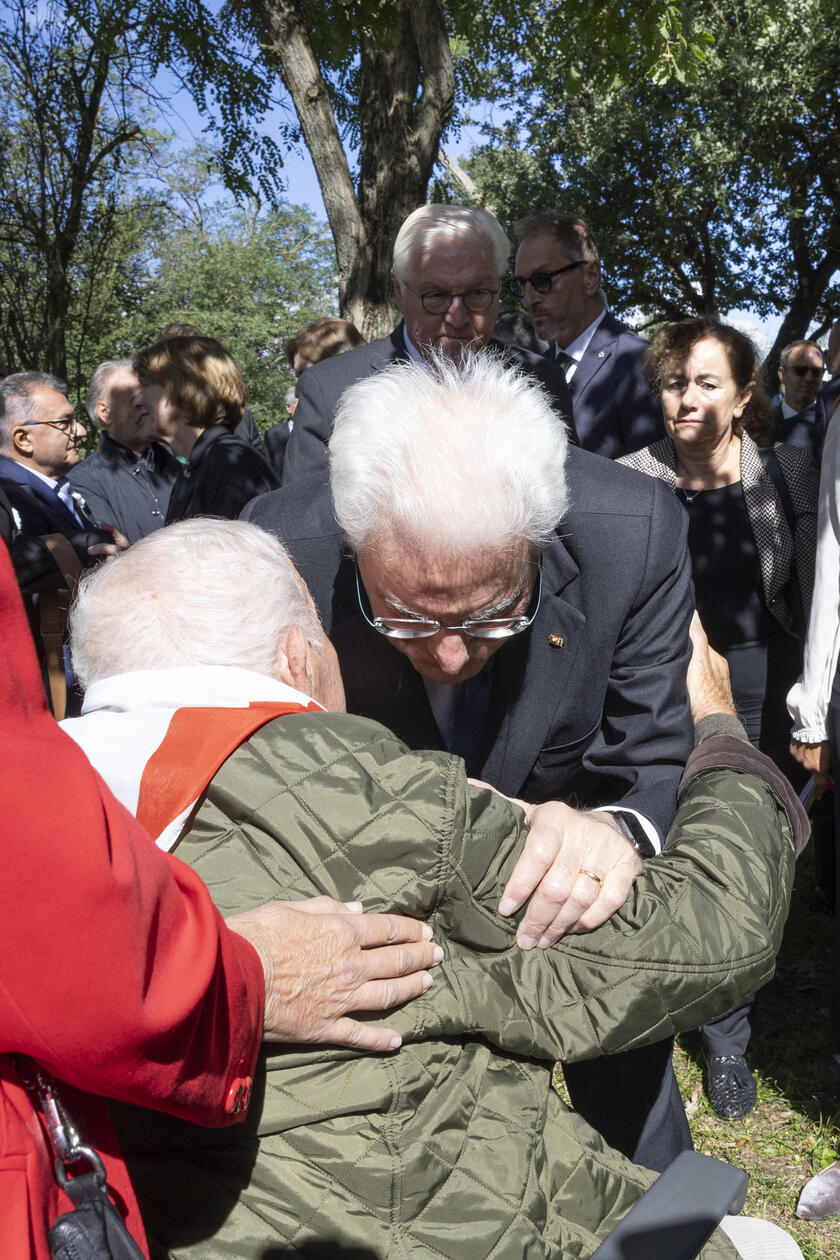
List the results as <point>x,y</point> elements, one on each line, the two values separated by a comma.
<point>325,961</point>
<point>562,845</point>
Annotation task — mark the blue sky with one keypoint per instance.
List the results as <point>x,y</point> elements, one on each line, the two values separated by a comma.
<point>302,185</point>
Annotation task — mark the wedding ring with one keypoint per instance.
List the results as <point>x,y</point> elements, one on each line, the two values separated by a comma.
<point>591,875</point>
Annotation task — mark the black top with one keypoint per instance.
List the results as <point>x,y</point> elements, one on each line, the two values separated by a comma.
<point>222,474</point>
<point>727,572</point>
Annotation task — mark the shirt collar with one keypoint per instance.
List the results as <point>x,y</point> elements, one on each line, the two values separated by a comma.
<point>580,345</point>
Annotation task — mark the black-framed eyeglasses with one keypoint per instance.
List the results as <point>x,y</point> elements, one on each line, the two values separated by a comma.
<point>438,302</point>
<point>806,369</point>
<point>540,281</point>
<point>422,628</point>
<point>64,425</point>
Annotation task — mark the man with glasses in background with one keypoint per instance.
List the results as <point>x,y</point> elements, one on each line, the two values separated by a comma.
<point>50,532</point>
<point>494,591</point>
<point>798,418</point>
<point>447,275</point>
<point>40,437</point>
<point>558,278</point>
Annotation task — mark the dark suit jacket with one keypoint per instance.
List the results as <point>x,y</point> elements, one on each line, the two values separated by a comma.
<point>221,475</point>
<point>38,506</point>
<point>601,719</point>
<point>321,386</point>
<point>807,428</point>
<point>615,410</point>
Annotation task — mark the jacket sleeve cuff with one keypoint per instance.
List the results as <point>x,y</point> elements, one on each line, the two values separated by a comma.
<point>718,724</point>
<point>728,752</point>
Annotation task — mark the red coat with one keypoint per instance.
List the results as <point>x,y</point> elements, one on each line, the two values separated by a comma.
<point>117,973</point>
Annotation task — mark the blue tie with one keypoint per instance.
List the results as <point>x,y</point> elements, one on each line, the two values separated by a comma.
<point>471,709</point>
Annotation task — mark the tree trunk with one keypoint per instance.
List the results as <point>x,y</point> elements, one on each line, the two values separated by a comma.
<point>407,91</point>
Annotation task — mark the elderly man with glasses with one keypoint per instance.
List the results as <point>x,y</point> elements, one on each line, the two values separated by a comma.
<point>495,591</point>
<point>40,437</point>
<point>447,275</point>
<point>558,278</point>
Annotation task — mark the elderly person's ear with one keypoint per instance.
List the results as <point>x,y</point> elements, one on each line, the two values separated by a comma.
<point>292,664</point>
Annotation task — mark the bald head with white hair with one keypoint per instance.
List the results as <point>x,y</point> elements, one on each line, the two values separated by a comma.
<point>203,592</point>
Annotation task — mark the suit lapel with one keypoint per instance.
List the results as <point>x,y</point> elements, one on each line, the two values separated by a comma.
<point>61,518</point>
<point>597,354</point>
<point>535,664</point>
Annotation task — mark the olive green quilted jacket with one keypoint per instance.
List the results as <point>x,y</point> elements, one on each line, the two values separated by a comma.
<point>455,1146</point>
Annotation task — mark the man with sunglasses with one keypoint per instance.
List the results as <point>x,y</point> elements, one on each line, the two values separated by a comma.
<point>558,279</point>
<point>801,416</point>
<point>447,276</point>
<point>494,591</point>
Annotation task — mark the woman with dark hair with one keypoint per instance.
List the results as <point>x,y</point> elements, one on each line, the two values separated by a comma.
<point>193,393</point>
<point>752,537</point>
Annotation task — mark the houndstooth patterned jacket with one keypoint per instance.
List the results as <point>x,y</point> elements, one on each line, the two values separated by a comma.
<point>782,557</point>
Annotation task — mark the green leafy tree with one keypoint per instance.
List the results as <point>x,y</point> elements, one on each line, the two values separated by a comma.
<point>708,192</point>
<point>375,85</point>
<point>250,278</point>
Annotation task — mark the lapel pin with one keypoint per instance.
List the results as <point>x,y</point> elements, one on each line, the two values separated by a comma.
<point>601,354</point>
<point>554,640</point>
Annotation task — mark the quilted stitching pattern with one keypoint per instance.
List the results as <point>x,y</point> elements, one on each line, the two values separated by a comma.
<point>456,1147</point>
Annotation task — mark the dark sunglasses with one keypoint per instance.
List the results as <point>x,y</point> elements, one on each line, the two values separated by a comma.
<point>540,281</point>
<point>803,369</point>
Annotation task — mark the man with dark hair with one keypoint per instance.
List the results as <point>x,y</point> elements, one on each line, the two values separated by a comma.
<point>128,479</point>
<point>801,417</point>
<point>558,277</point>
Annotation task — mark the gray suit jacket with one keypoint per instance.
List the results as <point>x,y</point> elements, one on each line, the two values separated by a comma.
<point>321,386</point>
<point>589,705</point>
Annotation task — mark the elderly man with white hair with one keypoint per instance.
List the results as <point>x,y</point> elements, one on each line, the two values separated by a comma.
<point>447,275</point>
<point>495,591</point>
<point>208,677</point>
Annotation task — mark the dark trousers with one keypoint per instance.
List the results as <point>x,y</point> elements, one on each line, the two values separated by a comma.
<point>633,1101</point>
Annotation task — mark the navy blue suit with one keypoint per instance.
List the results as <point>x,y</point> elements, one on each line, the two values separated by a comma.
<point>321,386</point>
<point>615,410</point>
<point>808,427</point>
<point>40,509</point>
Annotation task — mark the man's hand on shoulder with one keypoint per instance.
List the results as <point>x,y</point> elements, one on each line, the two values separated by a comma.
<point>325,961</point>
<point>577,868</point>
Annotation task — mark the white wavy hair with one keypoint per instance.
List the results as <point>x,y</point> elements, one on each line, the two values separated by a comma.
<point>202,592</point>
<point>449,458</point>
<point>455,223</point>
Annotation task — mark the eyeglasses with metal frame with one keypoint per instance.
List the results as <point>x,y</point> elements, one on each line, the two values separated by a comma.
<point>438,302</point>
<point>421,628</point>
<point>540,281</point>
<point>64,425</point>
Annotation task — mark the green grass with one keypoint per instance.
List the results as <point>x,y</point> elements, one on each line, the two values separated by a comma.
<point>794,1130</point>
